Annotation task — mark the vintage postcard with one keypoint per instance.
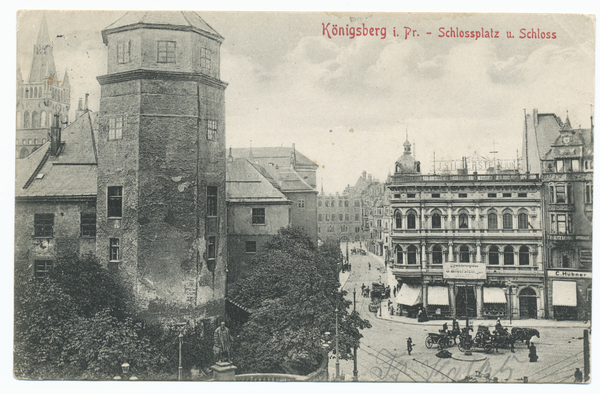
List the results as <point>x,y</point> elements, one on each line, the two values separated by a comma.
<point>304,196</point>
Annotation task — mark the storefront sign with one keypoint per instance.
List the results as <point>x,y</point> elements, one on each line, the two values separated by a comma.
<point>569,274</point>
<point>464,271</point>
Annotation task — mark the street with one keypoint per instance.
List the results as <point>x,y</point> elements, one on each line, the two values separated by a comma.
<point>382,355</point>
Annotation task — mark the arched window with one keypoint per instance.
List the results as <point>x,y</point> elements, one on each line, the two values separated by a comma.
<point>30,141</point>
<point>26,120</point>
<point>507,221</point>
<point>493,257</point>
<point>24,142</point>
<point>463,220</point>
<point>347,217</point>
<point>35,92</point>
<point>523,221</point>
<point>399,255</point>
<point>35,120</point>
<point>320,202</point>
<point>492,221</point>
<point>524,255</point>
<point>44,119</point>
<point>437,256</point>
<point>463,254</point>
<point>24,153</point>
<point>509,256</point>
<point>398,219</point>
<point>412,254</point>
<point>346,203</point>
<point>411,221</point>
<point>27,93</point>
<point>436,220</point>
<point>326,203</point>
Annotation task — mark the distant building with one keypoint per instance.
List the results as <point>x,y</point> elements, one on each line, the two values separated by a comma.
<point>40,97</point>
<point>256,210</point>
<point>467,244</point>
<point>295,176</point>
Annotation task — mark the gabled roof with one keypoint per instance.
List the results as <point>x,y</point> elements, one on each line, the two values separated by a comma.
<point>281,156</point>
<point>246,182</point>
<point>71,173</point>
<point>178,20</point>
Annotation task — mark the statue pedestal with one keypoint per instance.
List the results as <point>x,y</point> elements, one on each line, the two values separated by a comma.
<point>224,371</point>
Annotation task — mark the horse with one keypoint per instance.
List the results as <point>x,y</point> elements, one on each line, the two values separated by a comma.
<point>524,334</point>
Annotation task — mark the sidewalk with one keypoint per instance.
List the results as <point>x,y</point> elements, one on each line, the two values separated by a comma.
<point>533,323</point>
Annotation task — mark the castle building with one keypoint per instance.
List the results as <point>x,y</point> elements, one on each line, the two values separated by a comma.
<point>161,218</point>
<point>295,176</point>
<point>40,97</point>
<point>466,244</point>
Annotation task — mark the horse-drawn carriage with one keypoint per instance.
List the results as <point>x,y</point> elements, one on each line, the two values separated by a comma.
<point>445,338</point>
<point>377,294</point>
<point>484,339</point>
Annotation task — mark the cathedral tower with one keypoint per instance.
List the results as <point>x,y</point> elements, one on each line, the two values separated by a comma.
<point>161,159</point>
<point>40,97</point>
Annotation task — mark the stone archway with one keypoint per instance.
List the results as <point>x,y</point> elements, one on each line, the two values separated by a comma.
<point>527,303</point>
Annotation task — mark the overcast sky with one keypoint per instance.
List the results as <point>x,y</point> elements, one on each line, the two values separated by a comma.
<point>348,103</point>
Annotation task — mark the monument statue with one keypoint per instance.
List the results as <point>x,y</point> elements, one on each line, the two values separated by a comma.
<point>222,343</point>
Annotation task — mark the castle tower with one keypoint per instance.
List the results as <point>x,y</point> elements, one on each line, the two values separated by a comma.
<point>40,97</point>
<point>162,159</point>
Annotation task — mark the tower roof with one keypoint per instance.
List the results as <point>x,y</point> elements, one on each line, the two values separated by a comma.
<point>65,80</point>
<point>174,20</point>
<point>42,66</point>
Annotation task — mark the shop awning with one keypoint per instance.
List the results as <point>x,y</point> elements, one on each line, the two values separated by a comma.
<point>437,295</point>
<point>564,293</point>
<point>493,295</point>
<point>409,295</point>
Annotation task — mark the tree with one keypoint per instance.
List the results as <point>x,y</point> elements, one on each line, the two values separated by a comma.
<point>292,291</point>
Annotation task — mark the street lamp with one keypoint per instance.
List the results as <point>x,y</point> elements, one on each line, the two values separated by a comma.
<point>337,349</point>
<point>355,372</point>
<point>180,327</point>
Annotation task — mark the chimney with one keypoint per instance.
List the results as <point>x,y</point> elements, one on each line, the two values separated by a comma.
<point>79,111</point>
<point>55,136</point>
<point>535,117</point>
<point>85,108</point>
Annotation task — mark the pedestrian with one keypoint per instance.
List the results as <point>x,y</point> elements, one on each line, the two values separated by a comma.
<point>578,376</point>
<point>533,357</point>
<point>362,288</point>
<point>394,291</point>
<point>409,345</point>
<point>368,291</point>
<point>369,266</point>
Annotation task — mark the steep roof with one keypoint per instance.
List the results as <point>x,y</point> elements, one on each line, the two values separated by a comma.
<point>71,173</point>
<point>42,65</point>
<point>276,155</point>
<point>179,20</point>
<point>247,183</point>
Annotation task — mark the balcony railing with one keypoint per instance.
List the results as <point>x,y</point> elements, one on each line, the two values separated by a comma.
<point>489,268</point>
<point>467,178</point>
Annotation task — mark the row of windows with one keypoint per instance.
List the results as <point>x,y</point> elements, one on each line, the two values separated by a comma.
<point>343,229</point>
<point>43,224</point>
<point>463,221</point>
<point>116,124</point>
<point>38,92</point>
<point>36,120</point>
<point>341,203</point>
<point>32,141</point>
<point>166,52</point>
<point>466,195</point>
<point>340,216</point>
<point>493,255</point>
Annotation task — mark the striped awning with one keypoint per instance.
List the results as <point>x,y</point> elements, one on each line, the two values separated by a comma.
<point>409,295</point>
<point>493,295</point>
<point>437,295</point>
<point>564,293</point>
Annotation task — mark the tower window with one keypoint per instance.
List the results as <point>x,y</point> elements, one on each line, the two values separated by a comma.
<point>115,201</point>
<point>211,131</point>
<point>88,224</point>
<point>166,52</point>
<point>114,249</point>
<point>124,52</point>
<point>44,224</point>
<point>205,58</point>
<point>115,128</point>
<point>211,200</point>
<point>211,250</point>
<point>301,203</point>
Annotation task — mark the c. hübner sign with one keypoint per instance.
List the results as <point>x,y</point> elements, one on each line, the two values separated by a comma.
<point>569,274</point>
<point>464,271</point>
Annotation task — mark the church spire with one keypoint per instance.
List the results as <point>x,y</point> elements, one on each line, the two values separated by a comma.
<point>43,68</point>
<point>65,80</point>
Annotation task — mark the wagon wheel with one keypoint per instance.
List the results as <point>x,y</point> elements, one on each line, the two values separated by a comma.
<point>460,346</point>
<point>443,343</point>
<point>428,342</point>
<point>451,341</point>
<point>488,348</point>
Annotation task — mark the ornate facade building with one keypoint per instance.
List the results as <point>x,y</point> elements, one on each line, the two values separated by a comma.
<point>40,97</point>
<point>467,244</point>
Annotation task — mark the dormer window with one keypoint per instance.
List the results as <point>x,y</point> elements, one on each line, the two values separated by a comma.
<point>124,52</point>
<point>166,52</point>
